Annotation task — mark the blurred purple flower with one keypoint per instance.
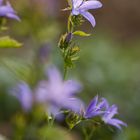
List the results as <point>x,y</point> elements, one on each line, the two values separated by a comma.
<point>24,94</point>
<point>58,94</point>
<point>108,117</point>
<point>44,52</point>
<point>81,7</point>
<point>96,108</point>
<point>8,11</point>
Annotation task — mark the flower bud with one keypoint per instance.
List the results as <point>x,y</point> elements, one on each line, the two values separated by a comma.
<point>68,37</point>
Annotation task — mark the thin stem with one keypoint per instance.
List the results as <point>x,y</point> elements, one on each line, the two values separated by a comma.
<point>88,136</point>
<point>70,26</point>
<point>65,72</point>
<point>85,133</point>
<point>69,29</point>
<point>91,133</point>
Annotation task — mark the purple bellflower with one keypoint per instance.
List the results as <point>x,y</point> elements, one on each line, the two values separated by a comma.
<point>108,117</point>
<point>96,108</point>
<point>7,11</point>
<point>57,94</point>
<point>24,94</point>
<point>81,7</point>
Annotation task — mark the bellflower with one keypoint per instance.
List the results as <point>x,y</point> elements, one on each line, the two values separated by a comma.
<point>81,7</point>
<point>7,11</point>
<point>96,108</point>
<point>24,94</point>
<point>58,94</point>
<point>108,117</point>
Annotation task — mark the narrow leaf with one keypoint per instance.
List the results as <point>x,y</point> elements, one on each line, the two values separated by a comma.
<point>7,42</point>
<point>80,33</point>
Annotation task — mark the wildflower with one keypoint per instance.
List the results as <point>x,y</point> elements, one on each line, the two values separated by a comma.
<point>108,117</point>
<point>58,94</point>
<point>8,11</point>
<point>24,94</point>
<point>96,108</point>
<point>81,7</point>
<point>44,52</point>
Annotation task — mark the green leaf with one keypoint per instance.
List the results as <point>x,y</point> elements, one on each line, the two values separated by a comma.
<point>7,42</point>
<point>75,58</point>
<point>80,33</point>
<point>74,50</point>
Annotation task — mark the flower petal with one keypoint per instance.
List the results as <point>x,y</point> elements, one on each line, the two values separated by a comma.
<point>13,16</point>
<point>119,122</point>
<point>89,17</point>
<point>41,92</point>
<point>74,104</point>
<point>92,105</point>
<point>103,104</point>
<point>116,123</point>
<point>92,4</point>
<point>54,75</point>
<point>113,110</point>
<point>24,94</point>
<point>71,87</point>
<point>93,114</point>
<point>76,3</point>
<point>1,1</point>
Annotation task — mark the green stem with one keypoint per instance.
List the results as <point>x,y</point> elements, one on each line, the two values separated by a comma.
<point>88,136</point>
<point>69,29</point>
<point>69,24</point>
<point>65,71</point>
<point>85,134</point>
<point>91,134</point>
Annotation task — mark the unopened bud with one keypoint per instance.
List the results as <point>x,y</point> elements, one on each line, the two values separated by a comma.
<point>68,37</point>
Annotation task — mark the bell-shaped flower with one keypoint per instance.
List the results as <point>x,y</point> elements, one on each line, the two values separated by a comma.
<point>81,7</point>
<point>96,108</point>
<point>57,94</point>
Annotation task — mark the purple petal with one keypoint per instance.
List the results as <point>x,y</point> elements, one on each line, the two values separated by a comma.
<point>92,105</point>
<point>103,104</point>
<point>89,17</point>
<point>71,87</point>
<point>54,75</point>
<point>110,112</point>
<point>93,114</point>
<point>74,104</point>
<point>41,92</point>
<point>76,3</point>
<point>8,11</point>
<point>120,122</point>
<point>52,110</point>
<point>13,16</point>
<point>106,104</point>
<point>24,94</point>
<point>92,4</point>
<point>1,1</point>
<point>116,123</point>
<point>75,11</point>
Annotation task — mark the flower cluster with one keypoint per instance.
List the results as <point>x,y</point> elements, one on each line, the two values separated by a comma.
<point>105,111</point>
<point>55,94</point>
